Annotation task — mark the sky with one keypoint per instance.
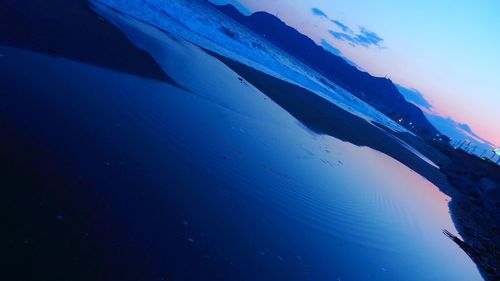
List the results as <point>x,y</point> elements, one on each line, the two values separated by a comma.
<point>447,50</point>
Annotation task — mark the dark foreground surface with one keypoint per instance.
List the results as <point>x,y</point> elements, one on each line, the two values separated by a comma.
<point>476,206</point>
<point>71,155</point>
<point>70,29</point>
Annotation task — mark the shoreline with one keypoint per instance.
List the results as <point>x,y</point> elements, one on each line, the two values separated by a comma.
<point>324,117</point>
<point>139,62</point>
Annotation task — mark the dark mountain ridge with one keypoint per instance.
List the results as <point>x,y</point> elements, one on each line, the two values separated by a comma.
<point>379,92</point>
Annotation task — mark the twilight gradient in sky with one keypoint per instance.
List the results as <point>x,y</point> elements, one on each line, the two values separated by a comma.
<point>449,50</point>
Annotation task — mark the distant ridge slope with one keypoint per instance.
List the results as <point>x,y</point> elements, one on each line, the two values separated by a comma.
<point>381,93</point>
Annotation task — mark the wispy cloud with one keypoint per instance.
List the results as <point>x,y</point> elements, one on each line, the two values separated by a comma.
<point>342,26</point>
<point>364,38</point>
<point>319,13</point>
<point>342,36</point>
<point>343,32</point>
<point>367,38</point>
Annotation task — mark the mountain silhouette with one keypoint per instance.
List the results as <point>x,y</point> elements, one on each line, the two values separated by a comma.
<point>379,92</point>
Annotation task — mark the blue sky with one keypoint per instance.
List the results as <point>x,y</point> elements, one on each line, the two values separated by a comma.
<point>447,50</point>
